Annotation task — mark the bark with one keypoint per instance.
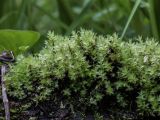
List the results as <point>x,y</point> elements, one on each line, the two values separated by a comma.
<point>4,93</point>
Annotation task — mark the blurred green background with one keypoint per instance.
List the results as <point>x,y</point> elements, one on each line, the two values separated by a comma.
<point>64,16</point>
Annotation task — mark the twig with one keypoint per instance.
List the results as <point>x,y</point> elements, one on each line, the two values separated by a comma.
<point>4,93</point>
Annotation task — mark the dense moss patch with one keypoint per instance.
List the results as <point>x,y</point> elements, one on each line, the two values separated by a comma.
<point>87,72</point>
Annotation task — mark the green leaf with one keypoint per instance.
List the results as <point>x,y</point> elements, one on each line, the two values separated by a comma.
<point>17,41</point>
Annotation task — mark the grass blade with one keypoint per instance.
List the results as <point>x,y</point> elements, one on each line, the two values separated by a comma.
<point>55,20</point>
<point>65,11</point>
<point>130,17</point>
<point>154,17</point>
<point>80,18</point>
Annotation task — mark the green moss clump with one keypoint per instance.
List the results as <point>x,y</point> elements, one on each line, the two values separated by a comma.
<point>88,72</point>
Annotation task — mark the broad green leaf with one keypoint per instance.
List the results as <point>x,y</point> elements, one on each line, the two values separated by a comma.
<point>17,41</point>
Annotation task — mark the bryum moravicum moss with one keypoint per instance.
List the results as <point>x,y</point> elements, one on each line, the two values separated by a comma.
<point>88,71</point>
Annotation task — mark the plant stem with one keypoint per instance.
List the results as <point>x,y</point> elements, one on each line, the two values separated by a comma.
<point>4,93</point>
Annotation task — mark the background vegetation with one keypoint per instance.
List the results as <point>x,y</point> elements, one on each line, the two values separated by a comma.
<point>63,16</point>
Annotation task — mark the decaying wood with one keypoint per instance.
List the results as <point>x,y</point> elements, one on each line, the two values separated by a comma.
<point>4,93</point>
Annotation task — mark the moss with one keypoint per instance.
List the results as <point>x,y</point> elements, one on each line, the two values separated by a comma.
<point>86,71</point>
